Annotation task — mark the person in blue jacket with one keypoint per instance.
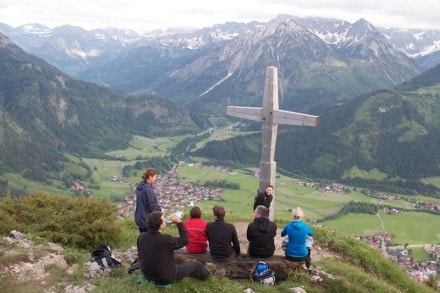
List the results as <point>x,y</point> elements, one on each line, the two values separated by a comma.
<point>297,232</point>
<point>146,199</point>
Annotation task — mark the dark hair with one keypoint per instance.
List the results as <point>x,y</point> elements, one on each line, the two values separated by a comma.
<point>150,172</point>
<point>219,212</point>
<point>262,211</point>
<point>270,186</point>
<point>195,212</point>
<point>154,221</point>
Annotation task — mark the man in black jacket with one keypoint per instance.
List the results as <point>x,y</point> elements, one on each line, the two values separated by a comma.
<point>261,233</point>
<point>264,198</point>
<point>222,236</point>
<point>156,253</point>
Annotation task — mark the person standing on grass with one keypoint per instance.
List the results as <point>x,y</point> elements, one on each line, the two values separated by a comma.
<point>297,232</point>
<point>196,229</point>
<point>146,199</point>
<point>264,198</point>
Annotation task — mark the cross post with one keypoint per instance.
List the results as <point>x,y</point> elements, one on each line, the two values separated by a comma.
<point>270,116</point>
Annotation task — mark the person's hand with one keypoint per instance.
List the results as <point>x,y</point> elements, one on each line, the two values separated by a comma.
<point>175,218</point>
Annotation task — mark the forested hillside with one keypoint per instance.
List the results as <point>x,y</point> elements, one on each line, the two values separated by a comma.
<point>45,114</point>
<point>396,131</point>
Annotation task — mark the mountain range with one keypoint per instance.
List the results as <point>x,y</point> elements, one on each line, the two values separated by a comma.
<point>318,59</point>
<point>377,111</point>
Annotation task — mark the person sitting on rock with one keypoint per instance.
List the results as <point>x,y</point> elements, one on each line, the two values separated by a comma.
<point>261,233</point>
<point>196,229</point>
<point>222,236</point>
<point>156,253</point>
<point>297,232</point>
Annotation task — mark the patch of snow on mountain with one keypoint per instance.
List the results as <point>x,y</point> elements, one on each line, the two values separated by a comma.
<point>330,38</point>
<point>429,49</point>
<point>216,84</point>
<point>410,46</point>
<point>84,54</point>
<point>37,30</point>
<point>100,36</point>
<point>419,36</point>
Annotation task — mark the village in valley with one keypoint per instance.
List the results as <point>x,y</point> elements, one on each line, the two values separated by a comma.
<point>419,270</point>
<point>174,195</point>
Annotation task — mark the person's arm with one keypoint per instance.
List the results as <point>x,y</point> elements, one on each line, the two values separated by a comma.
<point>152,204</point>
<point>205,235</point>
<point>248,232</point>
<point>259,199</point>
<point>269,200</point>
<point>284,232</point>
<point>235,242</point>
<point>274,231</point>
<point>182,240</point>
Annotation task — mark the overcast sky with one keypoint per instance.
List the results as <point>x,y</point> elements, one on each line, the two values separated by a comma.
<point>144,15</point>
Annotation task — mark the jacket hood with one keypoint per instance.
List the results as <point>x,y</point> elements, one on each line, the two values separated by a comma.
<point>262,224</point>
<point>296,225</point>
<point>142,185</point>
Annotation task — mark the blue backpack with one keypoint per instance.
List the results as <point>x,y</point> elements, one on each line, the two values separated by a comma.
<point>263,274</point>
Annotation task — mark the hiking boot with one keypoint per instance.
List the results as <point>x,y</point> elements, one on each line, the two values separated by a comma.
<point>210,267</point>
<point>220,274</point>
<point>134,266</point>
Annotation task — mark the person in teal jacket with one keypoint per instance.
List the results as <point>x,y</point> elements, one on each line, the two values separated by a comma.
<point>297,232</point>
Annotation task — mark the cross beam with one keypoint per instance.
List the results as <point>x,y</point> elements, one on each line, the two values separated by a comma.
<point>270,116</point>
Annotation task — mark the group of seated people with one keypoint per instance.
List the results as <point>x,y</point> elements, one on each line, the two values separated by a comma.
<point>218,238</point>
<point>223,240</point>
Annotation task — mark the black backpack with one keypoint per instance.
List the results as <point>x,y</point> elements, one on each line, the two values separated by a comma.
<point>103,256</point>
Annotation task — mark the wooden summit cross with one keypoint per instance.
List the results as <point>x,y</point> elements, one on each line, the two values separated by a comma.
<point>270,116</point>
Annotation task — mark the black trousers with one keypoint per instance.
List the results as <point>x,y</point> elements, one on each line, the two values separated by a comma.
<point>192,269</point>
<point>306,259</point>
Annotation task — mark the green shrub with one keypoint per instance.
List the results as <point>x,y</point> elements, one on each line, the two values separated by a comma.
<point>79,222</point>
<point>7,215</point>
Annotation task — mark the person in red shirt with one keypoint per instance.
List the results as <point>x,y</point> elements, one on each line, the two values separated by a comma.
<point>196,229</point>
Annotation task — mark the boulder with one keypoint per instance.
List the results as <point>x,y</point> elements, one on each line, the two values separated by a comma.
<point>242,266</point>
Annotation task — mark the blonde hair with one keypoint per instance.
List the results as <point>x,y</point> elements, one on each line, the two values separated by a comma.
<point>298,213</point>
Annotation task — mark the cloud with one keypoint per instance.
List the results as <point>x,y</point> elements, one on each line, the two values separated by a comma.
<point>162,14</point>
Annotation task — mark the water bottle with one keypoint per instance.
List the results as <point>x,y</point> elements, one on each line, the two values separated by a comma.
<point>168,218</point>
